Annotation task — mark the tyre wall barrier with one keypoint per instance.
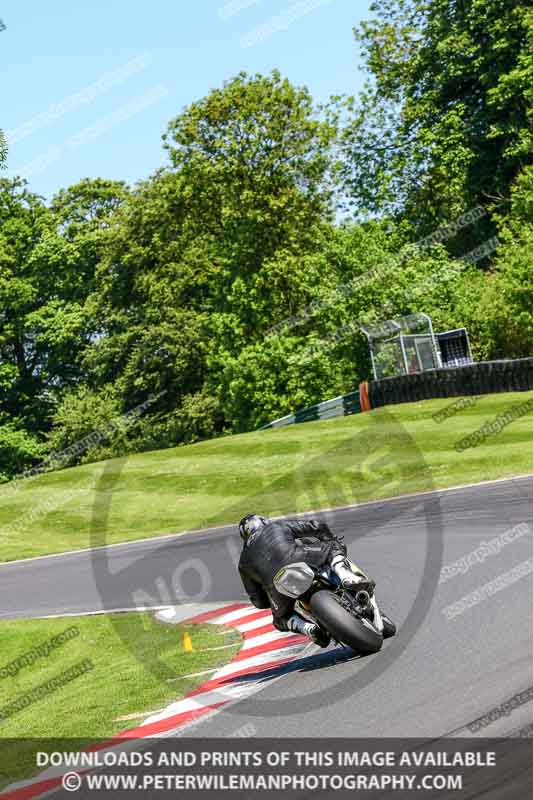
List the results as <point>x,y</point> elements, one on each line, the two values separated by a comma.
<point>485,377</point>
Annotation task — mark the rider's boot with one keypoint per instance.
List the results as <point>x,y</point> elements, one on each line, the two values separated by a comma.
<point>297,624</point>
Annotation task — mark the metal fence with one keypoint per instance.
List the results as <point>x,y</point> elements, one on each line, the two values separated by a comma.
<point>336,407</point>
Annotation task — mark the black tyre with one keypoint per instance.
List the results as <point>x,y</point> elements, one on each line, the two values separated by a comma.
<point>342,625</point>
<point>389,628</point>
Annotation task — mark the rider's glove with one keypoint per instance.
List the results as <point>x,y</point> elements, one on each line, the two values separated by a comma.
<point>357,580</point>
<point>366,584</point>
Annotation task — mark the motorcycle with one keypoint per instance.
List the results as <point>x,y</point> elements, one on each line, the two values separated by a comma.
<point>350,615</point>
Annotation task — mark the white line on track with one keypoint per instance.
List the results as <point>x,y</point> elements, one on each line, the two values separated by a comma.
<point>105,611</point>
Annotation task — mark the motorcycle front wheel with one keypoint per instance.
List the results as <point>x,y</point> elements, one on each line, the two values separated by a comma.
<point>343,626</point>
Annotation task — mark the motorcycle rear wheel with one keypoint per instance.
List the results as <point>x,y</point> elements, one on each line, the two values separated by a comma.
<point>344,627</point>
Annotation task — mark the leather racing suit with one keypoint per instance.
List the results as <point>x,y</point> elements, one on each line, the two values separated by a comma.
<point>277,544</point>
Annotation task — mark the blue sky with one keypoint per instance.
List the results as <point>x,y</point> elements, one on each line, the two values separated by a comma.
<point>88,88</point>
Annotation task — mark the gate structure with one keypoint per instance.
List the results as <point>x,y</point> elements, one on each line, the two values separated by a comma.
<point>403,346</point>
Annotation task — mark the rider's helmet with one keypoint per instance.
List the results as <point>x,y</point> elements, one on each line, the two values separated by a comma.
<point>250,524</point>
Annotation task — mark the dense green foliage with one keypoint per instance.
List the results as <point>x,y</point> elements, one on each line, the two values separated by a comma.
<point>445,120</point>
<point>226,284</point>
<point>3,149</point>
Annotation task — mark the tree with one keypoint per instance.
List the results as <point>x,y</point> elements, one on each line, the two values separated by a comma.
<point>151,287</point>
<point>504,315</point>
<point>24,222</point>
<point>18,448</point>
<point>48,256</point>
<point>444,123</point>
<point>3,149</point>
<point>254,159</point>
<point>207,254</point>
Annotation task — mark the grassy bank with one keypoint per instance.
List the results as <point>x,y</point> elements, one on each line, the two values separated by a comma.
<point>115,694</point>
<point>384,453</point>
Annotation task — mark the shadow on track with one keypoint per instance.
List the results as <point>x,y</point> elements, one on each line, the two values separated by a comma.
<point>320,660</point>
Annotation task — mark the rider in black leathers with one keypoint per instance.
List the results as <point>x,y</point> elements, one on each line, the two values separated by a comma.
<point>270,545</point>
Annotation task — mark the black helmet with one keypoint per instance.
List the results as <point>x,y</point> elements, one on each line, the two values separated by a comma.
<point>250,524</point>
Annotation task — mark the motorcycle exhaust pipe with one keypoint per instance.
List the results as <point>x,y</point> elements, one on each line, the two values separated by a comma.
<point>363,598</point>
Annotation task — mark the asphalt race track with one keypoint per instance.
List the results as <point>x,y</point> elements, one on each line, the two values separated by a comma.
<point>433,679</point>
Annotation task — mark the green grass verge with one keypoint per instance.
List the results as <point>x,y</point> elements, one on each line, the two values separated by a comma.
<point>90,706</point>
<point>387,452</point>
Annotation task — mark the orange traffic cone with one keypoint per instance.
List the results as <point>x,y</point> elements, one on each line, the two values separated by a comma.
<point>187,643</point>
